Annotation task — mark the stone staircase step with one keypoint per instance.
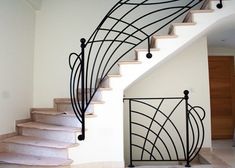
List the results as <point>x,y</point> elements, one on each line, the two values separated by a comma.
<point>41,142</point>
<point>189,16</point>
<point>64,104</point>
<point>49,127</point>
<point>52,132</point>
<point>38,146</point>
<point>67,101</point>
<point>28,160</point>
<point>66,118</point>
<point>174,26</point>
<point>128,62</point>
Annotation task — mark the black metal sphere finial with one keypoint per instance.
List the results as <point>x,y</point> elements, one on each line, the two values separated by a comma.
<point>186,93</point>
<point>81,137</point>
<point>219,5</point>
<point>83,41</point>
<point>149,55</point>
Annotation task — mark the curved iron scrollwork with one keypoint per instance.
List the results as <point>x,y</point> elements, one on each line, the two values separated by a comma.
<point>156,134</point>
<point>127,25</point>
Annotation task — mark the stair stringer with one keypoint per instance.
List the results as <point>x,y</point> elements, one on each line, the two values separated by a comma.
<point>169,47</point>
<point>104,136</point>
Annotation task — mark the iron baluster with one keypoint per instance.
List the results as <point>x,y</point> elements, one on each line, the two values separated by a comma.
<point>131,164</point>
<point>149,55</point>
<point>83,110</point>
<point>186,92</point>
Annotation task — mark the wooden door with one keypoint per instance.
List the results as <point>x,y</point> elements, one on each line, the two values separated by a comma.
<point>221,71</point>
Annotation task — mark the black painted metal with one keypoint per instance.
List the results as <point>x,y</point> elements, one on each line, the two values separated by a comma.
<point>128,24</point>
<point>220,4</point>
<point>155,135</point>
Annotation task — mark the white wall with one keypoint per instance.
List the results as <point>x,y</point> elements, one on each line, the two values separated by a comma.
<point>60,25</point>
<point>17,21</point>
<point>187,70</point>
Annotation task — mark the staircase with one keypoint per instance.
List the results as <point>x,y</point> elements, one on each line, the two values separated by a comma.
<point>50,138</point>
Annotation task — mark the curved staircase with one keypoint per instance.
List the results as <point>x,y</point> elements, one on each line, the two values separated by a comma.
<point>50,138</point>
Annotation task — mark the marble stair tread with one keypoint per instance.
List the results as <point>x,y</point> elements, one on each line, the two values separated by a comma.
<point>53,113</point>
<point>68,101</point>
<point>49,127</point>
<point>60,113</point>
<point>34,141</point>
<point>21,159</point>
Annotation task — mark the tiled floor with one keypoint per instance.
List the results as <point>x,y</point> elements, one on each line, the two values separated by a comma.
<point>223,157</point>
<point>225,151</point>
<point>222,151</point>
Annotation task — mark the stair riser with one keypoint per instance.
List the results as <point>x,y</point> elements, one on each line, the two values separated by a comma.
<point>181,30</point>
<point>141,55</point>
<point>3,147</point>
<point>3,165</point>
<point>165,43</point>
<point>57,120</point>
<point>67,107</point>
<point>53,135</point>
<point>114,82</point>
<point>37,151</point>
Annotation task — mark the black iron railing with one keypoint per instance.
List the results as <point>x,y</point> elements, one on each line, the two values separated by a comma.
<point>165,129</point>
<point>127,25</point>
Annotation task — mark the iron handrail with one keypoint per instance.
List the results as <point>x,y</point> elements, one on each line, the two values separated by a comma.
<point>114,38</point>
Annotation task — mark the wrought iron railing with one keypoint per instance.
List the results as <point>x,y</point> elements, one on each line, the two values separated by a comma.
<point>127,25</point>
<point>165,129</point>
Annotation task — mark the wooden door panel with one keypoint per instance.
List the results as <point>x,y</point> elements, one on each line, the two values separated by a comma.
<point>220,68</point>
<point>222,127</point>
<point>220,73</point>
<point>222,107</point>
<point>220,87</point>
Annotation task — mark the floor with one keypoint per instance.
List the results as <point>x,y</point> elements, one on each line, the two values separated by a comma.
<point>223,157</point>
<point>222,149</point>
<point>225,151</point>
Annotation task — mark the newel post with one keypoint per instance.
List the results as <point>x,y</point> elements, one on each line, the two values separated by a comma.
<point>186,97</point>
<point>83,45</point>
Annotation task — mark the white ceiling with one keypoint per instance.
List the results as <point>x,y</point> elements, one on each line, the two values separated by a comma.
<point>223,34</point>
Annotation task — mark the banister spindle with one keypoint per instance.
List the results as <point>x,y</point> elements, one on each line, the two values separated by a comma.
<point>149,55</point>
<point>83,45</point>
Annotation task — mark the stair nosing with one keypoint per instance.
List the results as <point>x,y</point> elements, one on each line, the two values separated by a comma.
<point>49,127</point>
<point>60,113</point>
<point>22,160</point>
<point>202,11</point>
<point>165,36</point>
<point>151,49</point>
<point>129,62</point>
<point>68,101</point>
<point>63,145</point>
<point>184,24</point>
